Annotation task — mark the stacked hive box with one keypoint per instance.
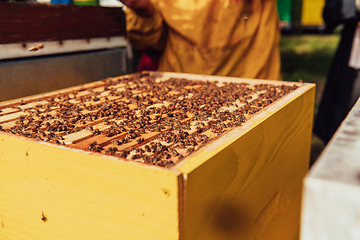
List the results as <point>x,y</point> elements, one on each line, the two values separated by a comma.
<point>37,36</point>
<point>156,156</point>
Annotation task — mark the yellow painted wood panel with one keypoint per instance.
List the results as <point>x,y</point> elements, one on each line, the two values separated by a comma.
<point>82,195</point>
<point>251,188</point>
<point>312,12</point>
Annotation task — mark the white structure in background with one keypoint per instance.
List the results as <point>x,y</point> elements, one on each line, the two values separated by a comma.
<point>331,196</point>
<point>18,50</point>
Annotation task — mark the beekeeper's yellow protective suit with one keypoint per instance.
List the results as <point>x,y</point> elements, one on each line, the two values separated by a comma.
<point>220,37</point>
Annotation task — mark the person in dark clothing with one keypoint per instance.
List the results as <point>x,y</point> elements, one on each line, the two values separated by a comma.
<point>336,100</point>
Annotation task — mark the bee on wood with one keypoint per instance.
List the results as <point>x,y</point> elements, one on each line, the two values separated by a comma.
<point>110,133</point>
<point>154,160</point>
<point>190,150</point>
<point>147,148</point>
<point>147,159</point>
<point>111,150</point>
<point>174,152</point>
<point>153,149</point>
<point>170,164</point>
<point>124,153</point>
<point>96,132</point>
<point>43,217</point>
<point>95,147</point>
<point>135,156</point>
<point>140,150</point>
<point>140,140</point>
<point>37,47</point>
<point>121,141</point>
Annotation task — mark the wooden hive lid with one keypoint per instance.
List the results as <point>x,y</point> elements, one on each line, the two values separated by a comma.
<point>154,118</point>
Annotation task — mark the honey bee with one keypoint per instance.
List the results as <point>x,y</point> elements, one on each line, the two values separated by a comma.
<point>136,156</point>
<point>170,164</point>
<point>147,148</point>
<point>140,140</point>
<point>36,47</point>
<point>43,217</point>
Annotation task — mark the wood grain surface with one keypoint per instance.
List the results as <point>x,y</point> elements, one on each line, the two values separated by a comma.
<point>83,196</point>
<point>249,186</point>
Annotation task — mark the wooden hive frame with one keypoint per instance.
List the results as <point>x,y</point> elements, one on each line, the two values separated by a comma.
<point>245,184</point>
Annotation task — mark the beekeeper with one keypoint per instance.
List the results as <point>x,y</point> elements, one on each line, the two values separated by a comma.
<point>237,38</point>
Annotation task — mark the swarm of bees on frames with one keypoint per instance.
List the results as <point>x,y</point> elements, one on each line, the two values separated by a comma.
<point>142,119</point>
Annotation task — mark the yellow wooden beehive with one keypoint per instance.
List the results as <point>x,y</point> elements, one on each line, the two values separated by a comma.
<point>242,184</point>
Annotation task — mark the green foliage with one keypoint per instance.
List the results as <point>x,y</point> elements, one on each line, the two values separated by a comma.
<point>307,57</point>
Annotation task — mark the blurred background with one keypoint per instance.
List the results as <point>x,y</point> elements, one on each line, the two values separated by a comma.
<point>308,57</point>
<point>306,48</point>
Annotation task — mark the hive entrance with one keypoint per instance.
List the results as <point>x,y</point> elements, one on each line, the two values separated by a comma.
<point>141,118</point>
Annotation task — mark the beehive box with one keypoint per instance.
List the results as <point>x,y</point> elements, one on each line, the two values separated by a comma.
<point>331,201</point>
<point>156,156</point>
